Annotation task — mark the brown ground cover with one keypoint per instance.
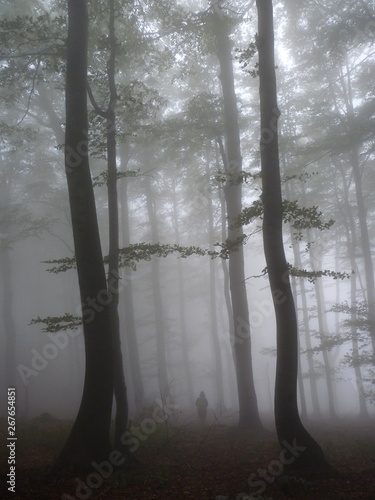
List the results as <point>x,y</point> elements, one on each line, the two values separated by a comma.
<point>184,460</point>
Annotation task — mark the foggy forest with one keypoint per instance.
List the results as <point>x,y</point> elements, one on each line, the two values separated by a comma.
<point>187,287</point>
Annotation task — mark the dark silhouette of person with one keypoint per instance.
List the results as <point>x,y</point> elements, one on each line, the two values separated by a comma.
<point>202,404</point>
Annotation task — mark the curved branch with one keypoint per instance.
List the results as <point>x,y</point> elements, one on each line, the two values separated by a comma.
<point>98,110</point>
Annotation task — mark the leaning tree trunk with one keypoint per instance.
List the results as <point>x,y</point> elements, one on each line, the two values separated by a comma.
<point>89,439</point>
<point>290,430</point>
<point>248,407</point>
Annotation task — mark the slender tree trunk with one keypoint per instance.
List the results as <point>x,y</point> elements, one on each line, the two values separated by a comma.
<point>224,266</point>
<point>89,439</point>
<point>301,385</point>
<point>248,407</point>
<point>351,239</point>
<point>315,264</point>
<point>295,295</point>
<point>306,325</point>
<point>182,310</point>
<point>130,329</point>
<point>120,390</point>
<point>366,247</point>
<point>288,424</point>
<point>156,294</point>
<point>363,412</point>
<point>306,328</point>
<point>213,308</point>
<point>7,285</point>
<point>8,319</point>
<point>229,352</point>
<point>362,210</point>
<point>322,332</point>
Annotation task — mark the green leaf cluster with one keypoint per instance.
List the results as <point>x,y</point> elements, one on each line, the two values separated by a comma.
<point>55,324</point>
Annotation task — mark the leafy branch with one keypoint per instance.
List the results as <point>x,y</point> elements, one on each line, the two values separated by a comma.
<point>299,217</point>
<point>137,252</point>
<point>312,276</point>
<point>58,323</point>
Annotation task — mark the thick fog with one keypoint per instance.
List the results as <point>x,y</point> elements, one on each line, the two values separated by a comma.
<point>171,192</point>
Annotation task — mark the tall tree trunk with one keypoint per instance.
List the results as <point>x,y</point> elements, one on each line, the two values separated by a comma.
<point>351,239</point>
<point>8,319</point>
<point>363,412</point>
<point>130,329</point>
<point>362,210</point>
<point>156,294</point>
<point>288,424</point>
<point>295,244</point>
<point>307,332</point>
<point>213,309</point>
<point>289,189</point>
<point>229,348</point>
<point>120,390</point>
<point>7,284</point>
<point>301,385</point>
<point>315,264</point>
<point>248,407</point>
<point>224,266</point>
<point>366,247</point>
<point>182,309</point>
<point>89,439</point>
<point>322,333</point>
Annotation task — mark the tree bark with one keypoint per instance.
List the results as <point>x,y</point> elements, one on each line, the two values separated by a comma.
<point>306,328</point>
<point>130,329</point>
<point>182,309</point>
<point>301,386</point>
<point>352,124</point>
<point>213,312</point>
<point>351,239</point>
<point>89,439</point>
<point>248,407</point>
<point>120,390</point>
<point>7,284</point>
<point>288,424</point>
<point>8,318</point>
<point>315,264</point>
<point>366,248</point>
<point>156,294</point>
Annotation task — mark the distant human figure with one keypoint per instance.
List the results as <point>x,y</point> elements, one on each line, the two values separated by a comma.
<point>202,404</point>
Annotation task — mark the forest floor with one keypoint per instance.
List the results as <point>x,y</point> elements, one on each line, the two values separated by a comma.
<point>181,459</point>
